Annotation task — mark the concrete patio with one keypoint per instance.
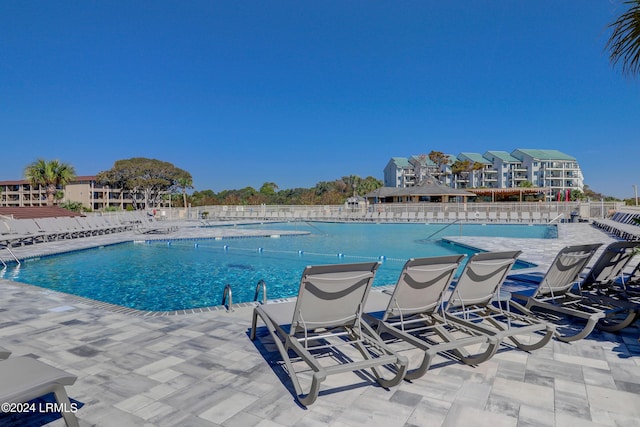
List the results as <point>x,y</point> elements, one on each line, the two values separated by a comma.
<point>201,368</point>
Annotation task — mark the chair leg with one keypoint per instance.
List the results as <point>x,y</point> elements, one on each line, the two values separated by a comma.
<point>62,399</point>
<point>614,324</point>
<point>401,363</point>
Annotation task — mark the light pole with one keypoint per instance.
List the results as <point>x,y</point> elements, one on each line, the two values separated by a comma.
<point>635,191</point>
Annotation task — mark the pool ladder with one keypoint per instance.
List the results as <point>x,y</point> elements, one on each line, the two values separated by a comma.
<point>14,257</point>
<point>227,294</point>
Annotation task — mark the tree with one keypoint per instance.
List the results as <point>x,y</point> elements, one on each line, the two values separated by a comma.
<point>146,179</point>
<point>440,159</point>
<point>72,206</point>
<point>368,185</point>
<point>269,189</point>
<point>50,175</point>
<point>185,181</point>
<point>624,42</point>
<point>463,168</point>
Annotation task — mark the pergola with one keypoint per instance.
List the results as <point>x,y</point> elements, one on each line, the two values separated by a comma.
<point>501,193</point>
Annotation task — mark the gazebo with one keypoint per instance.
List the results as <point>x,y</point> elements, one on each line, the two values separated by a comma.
<point>429,190</point>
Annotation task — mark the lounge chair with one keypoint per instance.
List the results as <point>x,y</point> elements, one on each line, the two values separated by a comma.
<point>324,324</point>
<point>407,313</point>
<point>25,378</point>
<point>602,284</point>
<point>609,266</point>
<point>149,225</point>
<point>628,285</point>
<point>552,298</point>
<point>476,304</point>
<point>23,231</point>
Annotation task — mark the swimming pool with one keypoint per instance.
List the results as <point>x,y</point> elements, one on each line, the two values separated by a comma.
<point>183,274</point>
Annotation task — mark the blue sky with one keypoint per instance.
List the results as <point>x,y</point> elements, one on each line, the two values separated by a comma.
<point>295,92</point>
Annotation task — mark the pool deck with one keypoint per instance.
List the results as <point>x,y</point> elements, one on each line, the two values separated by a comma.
<point>201,369</point>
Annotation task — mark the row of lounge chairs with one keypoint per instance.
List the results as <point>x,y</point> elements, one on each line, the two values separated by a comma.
<point>483,217</point>
<point>624,225</point>
<point>20,232</point>
<point>25,378</point>
<point>346,215</point>
<point>337,325</point>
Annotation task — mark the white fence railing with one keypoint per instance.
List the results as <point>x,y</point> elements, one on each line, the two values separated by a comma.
<point>508,211</point>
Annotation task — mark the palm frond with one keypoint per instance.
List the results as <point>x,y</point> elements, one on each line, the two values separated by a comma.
<point>624,43</point>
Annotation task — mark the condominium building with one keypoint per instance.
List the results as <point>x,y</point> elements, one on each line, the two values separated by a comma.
<point>552,170</point>
<point>83,189</point>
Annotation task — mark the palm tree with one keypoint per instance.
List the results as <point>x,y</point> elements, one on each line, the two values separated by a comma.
<point>50,175</point>
<point>624,43</point>
<point>185,182</point>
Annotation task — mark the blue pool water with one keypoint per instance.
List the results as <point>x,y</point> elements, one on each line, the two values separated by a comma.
<point>183,274</point>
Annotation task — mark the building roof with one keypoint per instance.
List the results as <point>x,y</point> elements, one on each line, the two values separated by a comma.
<point>429,187</point>
<point>36,212</point>
<point>475,157</point>
<point>76,180</point>
<point>543,154</point>
<point>422,159</point>
<point>502,155</point>
<point>401,162</point>
<point>452,158</point>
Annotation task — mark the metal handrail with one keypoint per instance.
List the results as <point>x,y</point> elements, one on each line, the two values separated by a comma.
<point>556,218</point>
<point>13,255</point>
<point>439,230</point>
<point>261,284</point>
<point>227,293</point>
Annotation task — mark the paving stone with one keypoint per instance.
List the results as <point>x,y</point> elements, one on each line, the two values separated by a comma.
<point>200,369</point>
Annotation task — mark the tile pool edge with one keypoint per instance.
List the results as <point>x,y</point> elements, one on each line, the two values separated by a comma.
<point>75,299</point>
<point>527,264</point>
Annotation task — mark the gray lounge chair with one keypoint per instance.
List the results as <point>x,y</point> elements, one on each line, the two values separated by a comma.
<point>610,265</point>
<point>152,226</point>
<point>552,298</point>
<point>407,313</point>
<point>600,285</point>
<point>325,324</point>
<point>627,287</point>
<point>24,379</point>
<point>477,304</point>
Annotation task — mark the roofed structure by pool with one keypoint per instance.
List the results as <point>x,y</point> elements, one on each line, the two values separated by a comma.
<point>429,190</point>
